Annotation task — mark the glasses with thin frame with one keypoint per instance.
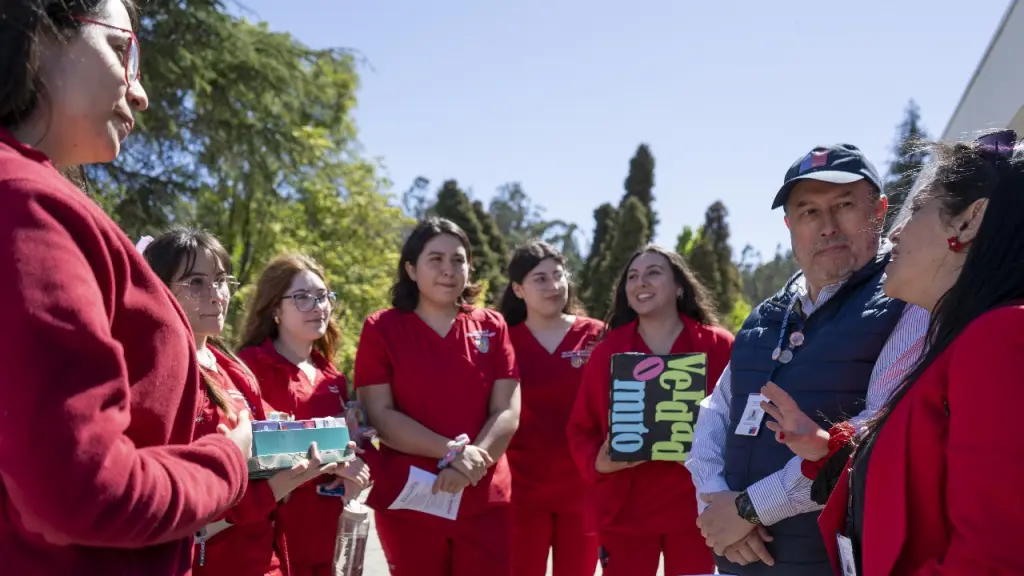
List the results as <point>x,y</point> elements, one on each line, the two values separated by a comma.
<point>132,54</point>
<point>306,302</point>
<point>199,287</point>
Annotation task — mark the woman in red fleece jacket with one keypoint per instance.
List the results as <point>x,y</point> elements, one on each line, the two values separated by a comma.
<point>933,487</point>
<point>289,340</point>
<point>197,269</point>
<point>99,473</point>
<point>552,343</point>
<point>644,510</point>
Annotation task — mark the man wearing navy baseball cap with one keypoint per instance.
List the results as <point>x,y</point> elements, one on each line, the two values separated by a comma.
<point>830,339</point>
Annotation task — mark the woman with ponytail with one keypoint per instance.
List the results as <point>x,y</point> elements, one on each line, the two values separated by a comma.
<point>552,342</point>
<point>197,270</point>
<point>98,470</point>
<point>933,485</point>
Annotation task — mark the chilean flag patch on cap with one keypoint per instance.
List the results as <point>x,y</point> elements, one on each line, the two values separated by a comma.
<point>815,159</point>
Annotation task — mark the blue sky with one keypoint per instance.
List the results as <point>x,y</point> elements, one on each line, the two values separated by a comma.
<point>558,94</point>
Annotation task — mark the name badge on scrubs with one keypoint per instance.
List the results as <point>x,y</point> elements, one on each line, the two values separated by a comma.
<point>753,414</point>
<point>846,555</point>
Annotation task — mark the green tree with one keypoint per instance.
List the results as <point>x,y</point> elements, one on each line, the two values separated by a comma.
<point>249,134</point>
<point>416,201</point>
<point>628,238</point>
<point>909,156</point>
<point>711,260</point>
<point>605,217</point>
<point>640,185</point>
<point>760,279</point>
<point>453,204</point>
<point>685,241</point>
<point>519,220</point>
<point>498,248</point>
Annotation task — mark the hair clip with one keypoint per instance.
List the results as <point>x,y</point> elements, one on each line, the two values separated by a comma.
<point>1001,142</point>
<point>142,243</point>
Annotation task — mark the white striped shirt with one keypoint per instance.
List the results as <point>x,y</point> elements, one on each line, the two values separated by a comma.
<point>787,492</point>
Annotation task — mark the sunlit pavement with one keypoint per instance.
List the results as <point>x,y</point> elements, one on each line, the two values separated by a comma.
<point>376,565</point>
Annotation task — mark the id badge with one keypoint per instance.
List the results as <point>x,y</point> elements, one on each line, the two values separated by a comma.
<point>753,414</point>
<point>846,555</point>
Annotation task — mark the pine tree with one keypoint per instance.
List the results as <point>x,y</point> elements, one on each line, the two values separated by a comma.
<point>605,216</point>
<point>498,249</point>
<point>640,185</point>
<point>908,157</point>
<point>711,260</point>
<point>628,238</point>
<point>453,204</point>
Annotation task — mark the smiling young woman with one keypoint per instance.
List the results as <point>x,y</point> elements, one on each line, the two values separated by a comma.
<point>552,342</point>
<point>439,381</point>
<point>289,341</point>
<point>98,471</point>
<point>644,510</point>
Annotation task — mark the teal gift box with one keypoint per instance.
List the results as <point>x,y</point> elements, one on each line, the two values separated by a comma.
<point>281,444</point>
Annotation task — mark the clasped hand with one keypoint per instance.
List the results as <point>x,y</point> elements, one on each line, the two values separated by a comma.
<point>720,522</point>
<point>468,468</point>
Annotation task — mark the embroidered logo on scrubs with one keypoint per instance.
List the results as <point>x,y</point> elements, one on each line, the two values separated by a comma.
<point>482,339</point>
<point>577,357</point>
<point>236,395</point>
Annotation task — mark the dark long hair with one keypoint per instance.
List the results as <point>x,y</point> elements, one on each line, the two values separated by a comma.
<point>270,289</point>
<point>696,301</point>
<point>524,259</point>
<point>178,248</point>
<point>993,272</point>
<point>24,25</point>
<point>405,294</point>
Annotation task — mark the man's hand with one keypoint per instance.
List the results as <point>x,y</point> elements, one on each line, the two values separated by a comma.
<point>792,427</point>
<point>751,549</point>
<point>720,523</point>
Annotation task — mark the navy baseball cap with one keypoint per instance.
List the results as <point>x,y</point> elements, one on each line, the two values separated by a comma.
<point>839,164</point>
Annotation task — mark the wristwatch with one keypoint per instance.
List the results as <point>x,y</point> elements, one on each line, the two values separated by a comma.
<point>745,508</point>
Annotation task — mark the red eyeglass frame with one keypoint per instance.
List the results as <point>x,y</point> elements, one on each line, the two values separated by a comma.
<point>128,52</point>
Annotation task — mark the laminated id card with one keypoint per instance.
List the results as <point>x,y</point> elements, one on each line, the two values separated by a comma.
<point>846,555</point>
<point>753,414</point>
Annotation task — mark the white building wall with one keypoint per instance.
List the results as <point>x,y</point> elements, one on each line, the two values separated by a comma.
<point>994,98</point>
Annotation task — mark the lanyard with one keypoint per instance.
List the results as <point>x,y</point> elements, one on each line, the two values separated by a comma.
<point>796,338</point>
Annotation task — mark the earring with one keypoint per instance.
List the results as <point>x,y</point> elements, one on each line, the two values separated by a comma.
<point>277,320</point>
<point>954,244</point>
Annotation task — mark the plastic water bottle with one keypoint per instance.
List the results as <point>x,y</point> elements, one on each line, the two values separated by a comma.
<point>353,531</point>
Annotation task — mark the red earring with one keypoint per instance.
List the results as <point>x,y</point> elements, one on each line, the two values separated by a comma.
<point>954,244</point>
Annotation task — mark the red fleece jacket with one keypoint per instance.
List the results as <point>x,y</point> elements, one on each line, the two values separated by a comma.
<point>98,472</point>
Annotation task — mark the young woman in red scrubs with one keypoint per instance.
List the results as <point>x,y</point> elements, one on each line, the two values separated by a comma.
<point>197,270</point>
<point>644,510</point>
<point>438,379</point>
<point>289,340</point>
<point>552,343</point>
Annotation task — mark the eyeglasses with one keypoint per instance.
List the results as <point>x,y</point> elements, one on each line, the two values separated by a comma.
<point>132,55</point>
<point>306,302</point>
<point>201,287</point>
<point>1000,142</point>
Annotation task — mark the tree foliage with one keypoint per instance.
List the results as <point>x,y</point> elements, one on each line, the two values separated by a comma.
<point>249,135</point>
<point>711,259</point>
<point>909,156</point>
<point>605,221</point>
<point>628,237</point>
<point>639,184</point>
<point>760,279</point>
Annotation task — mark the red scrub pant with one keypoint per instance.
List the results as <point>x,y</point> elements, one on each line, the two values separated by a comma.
<point>431,546</point>
<point>536,531</point>
<point>624,554</point>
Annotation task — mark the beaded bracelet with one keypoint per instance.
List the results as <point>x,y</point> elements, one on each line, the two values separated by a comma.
<point>455,447</point>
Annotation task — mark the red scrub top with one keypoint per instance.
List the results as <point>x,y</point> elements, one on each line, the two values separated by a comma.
<point>654,497</point>
<point>250,545</point>
<point>543,472</point>
<point>442,382</point>
<point>308,520</point>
